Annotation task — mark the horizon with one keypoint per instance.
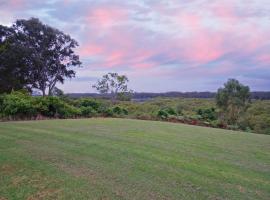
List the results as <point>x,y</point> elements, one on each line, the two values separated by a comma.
<point>162,46</point>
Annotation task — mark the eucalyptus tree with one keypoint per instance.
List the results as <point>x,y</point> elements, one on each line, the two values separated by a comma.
<point>45,55</point>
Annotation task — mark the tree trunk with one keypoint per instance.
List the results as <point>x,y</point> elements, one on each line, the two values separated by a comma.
<point>43,93</point>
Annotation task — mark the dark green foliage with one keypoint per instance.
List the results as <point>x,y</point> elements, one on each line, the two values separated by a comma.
<point>119,111</point>
<point>170,111</point>
<point>124,111</point>
<point>87,102</point>
<point>36,56</point>
<point>54,107</point>
<point>162,114</point>
<point>208,114</point>
<point>88,111</point>
<point>108,112</point>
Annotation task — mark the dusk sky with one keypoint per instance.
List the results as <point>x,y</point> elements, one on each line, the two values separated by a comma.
<point>161,45</point>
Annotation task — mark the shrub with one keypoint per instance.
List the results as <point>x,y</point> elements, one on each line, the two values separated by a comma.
<point>125,111</point>
<point>208,114</point>
<point>87,102</point>
<point>170,111</point>
<point>68,111</point>
<point>88,111</point>
<point>108,112</point>
<point>18,105</point>
<point>55,107</point>
<point>117,110</point>
<point>162,114</point>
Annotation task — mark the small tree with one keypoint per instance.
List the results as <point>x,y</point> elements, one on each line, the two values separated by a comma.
<point>113,84</point>
<point>232,100</point>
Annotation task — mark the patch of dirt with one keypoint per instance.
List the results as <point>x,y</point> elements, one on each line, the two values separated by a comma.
<point>7,169</point>
<point>3,198</point>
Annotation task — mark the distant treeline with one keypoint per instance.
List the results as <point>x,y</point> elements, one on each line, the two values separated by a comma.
<point>146,95</point>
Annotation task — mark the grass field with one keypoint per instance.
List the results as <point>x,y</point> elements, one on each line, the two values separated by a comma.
<point>130,159</point>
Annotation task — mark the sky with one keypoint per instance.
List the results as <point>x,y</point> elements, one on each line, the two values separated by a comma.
<point>161,45</point>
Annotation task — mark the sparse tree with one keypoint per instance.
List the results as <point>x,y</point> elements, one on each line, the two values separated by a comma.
<point>113,84</point>
<point>232,100</point>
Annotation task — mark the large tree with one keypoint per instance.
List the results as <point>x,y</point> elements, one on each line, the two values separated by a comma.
<point>13,71</point>
<point>233,100</point>
<point>113,84</point>
<point>45,55</point>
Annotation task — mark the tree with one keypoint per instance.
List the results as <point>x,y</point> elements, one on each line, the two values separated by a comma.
<point>233,100</point>
<point>46,53</point>
<point>113,84</point>
<point>13,71</point>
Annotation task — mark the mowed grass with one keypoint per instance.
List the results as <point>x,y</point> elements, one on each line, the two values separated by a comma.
<point>130,159</point>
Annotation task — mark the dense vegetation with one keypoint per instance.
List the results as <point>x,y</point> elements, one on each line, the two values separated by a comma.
<point>21,105</point>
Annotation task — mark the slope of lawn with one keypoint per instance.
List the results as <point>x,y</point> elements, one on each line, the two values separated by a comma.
<point>130,159</point>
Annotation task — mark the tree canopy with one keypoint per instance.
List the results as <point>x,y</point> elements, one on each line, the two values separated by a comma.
<point>35,56</point>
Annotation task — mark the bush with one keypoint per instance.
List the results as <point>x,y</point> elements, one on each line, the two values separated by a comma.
<point>117,110</point>
<point>88,112</point>
<point>87,102</point>
<point>18,105</point>
<point>162,114</point>
<point>68,111</point>
<point>170,111</point>
<point>55,107</point>
<point>108,112</point>
<point>208,114</point>
<point>125,111</point>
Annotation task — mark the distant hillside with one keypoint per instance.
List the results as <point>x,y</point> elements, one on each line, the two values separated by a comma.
<point>146,95</point>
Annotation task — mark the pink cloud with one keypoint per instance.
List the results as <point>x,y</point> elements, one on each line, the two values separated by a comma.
<point>106,16</point>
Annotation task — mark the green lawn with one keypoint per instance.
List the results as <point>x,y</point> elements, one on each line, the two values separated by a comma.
<point>130,159</point>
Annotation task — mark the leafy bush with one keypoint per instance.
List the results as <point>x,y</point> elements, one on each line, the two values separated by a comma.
<point>55,107</point>
<point>18,105</point>
<point>108,112</point>
<point>170,111</point>
<point>117,110</point>
<point>208,114</point>
<point>162,114</point>
<point>68,111</point>
<point>87,102</point>
<point>88,111</point>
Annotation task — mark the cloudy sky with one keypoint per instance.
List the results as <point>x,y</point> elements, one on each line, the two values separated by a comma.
<point>161,45</point>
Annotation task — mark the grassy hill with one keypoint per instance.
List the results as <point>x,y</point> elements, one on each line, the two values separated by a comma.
<point>130,159</point>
